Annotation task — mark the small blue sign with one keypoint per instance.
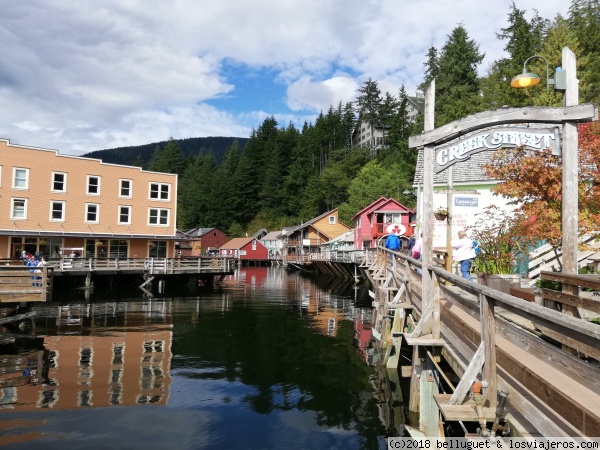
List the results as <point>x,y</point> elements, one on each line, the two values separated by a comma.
<point>466,201</point>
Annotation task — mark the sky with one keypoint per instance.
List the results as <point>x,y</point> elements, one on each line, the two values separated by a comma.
<point>84,75</point>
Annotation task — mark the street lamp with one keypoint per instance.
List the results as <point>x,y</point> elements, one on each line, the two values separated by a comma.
<point>528,79</point>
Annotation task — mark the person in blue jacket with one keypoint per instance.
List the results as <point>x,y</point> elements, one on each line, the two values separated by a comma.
<point>392,242</point>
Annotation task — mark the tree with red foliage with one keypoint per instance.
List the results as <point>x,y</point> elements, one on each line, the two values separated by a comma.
<point>533,182</point>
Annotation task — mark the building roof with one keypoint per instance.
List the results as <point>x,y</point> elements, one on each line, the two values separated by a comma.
<point>237,243</point>
<point>348,236</point>
<point>379,203</point>
<point>272,236</point>
<point>195,233</point>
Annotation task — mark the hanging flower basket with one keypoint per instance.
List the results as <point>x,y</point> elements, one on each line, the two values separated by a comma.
<point>99,243</point>
<point>441,214</point>
<point>151,244</point>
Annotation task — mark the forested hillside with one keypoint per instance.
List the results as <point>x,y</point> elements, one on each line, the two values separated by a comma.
<point>140,155</point>
<point>286,175</point>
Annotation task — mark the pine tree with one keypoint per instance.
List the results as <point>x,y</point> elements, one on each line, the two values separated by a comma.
<point>584,19</point>
<point>524,39</point>
<point>457,83</point>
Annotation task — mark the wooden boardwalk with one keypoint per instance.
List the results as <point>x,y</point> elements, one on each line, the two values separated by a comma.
<point>547,362</point>
<point>17,285</point>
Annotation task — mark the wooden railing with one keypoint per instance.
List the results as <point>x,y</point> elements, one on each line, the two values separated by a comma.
<point>151,265</point>
<point>485,331</point>
<point>19,284</point>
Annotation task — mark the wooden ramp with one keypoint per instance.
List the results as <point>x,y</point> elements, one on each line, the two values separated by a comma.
<point>553,383</point>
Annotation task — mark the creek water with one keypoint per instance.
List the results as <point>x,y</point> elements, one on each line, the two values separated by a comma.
<point>271,359</point>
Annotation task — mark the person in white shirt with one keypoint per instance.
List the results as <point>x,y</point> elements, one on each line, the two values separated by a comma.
<point>464,253</point>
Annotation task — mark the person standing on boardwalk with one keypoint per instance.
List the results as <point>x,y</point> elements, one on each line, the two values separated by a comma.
<point>392,242</point>
<point>464,253</point>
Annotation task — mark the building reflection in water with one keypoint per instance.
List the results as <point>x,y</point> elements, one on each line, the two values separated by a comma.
<point>118,366</point>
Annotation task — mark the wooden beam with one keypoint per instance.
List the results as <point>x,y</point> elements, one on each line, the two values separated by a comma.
<point>464,412</point>
<point>504,116</point>
<point>570,299</point>
<point>488,339</point>
<point>468,377</point>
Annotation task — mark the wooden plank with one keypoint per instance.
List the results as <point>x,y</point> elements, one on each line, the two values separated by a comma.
<point>588,350</point>
<point>589,281</point>
<point>572,366</point>
<point>17,317</point>
<point>488,339</point>
<point>468,377</point>
<point>464,412</point>
<point>425,341</point>
<point>485,119</point>
<point>570,299</point>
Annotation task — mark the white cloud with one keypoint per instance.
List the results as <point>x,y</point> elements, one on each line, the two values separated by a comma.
<point>82,75</point>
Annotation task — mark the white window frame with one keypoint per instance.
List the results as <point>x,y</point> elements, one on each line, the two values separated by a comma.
<point>64,189</point>
<point>332,220</point>
<point>159,191</point>
<point>130,188</point>
<point>12,208</point>
<point>128,215</point>
<point>14,184</point>
<point>63,210</point>
<point>0,176</point>
<point>87,210</point>
<point>158,211</point>
<point>87,185</point>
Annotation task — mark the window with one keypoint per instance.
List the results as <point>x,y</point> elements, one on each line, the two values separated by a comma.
<point>124,215</point>
<point>332,220</point>
<point>18,208</point>
<point>117,248</point>
<point>158,216</point>
<point>125,188</point>
<point>59,182</point>
<point>254,245</point>
<point>57,211</point>
<point>93,185</point>
<point>159,191</point>
<point>20,178</point>
<point>92,213</point>
<point>157,249</point>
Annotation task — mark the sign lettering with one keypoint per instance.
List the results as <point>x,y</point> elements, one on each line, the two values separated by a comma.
<point>535,139</point>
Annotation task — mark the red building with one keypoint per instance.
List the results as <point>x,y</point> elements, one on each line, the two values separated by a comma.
<point>245,249</point>
<point>200,241</point>
<point>382,217</point>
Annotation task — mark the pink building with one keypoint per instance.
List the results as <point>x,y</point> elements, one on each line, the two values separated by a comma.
<point>382,217</point>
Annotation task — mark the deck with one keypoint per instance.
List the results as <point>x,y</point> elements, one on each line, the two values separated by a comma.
<point>17,285</point>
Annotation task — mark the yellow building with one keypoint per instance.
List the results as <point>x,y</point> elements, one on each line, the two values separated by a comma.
<point>55,205</point>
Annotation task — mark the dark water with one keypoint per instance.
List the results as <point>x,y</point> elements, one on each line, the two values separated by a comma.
<point>272,359</point>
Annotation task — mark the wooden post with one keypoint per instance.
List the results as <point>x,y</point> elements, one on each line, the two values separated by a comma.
<point>427,217</point>
<point>429,417</point>
<point>450,207</point>
<point>570,161</point>
<point>488,338</point>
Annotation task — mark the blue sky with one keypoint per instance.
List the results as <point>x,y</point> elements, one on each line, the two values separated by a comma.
<point>83,75</point>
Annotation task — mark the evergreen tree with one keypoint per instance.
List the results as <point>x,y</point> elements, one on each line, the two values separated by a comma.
<point>584,20</point>
<point>431,68</point>
<point>524,39</point>
<point>457,83</point>
<point>369,106</point>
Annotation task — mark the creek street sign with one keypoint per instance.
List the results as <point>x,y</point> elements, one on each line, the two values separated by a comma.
<point>531,138</point>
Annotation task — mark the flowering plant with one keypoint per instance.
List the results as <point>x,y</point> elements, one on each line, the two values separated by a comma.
<point>441,211</point>
<point>151,244</point>
<point>99,243</point>
<point>502,246</point>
